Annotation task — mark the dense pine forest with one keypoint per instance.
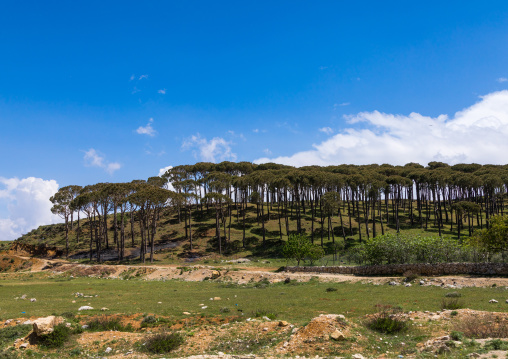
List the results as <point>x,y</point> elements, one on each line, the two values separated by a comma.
<point>231,207</point>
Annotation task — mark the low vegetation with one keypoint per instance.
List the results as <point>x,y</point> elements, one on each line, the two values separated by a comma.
<point>163,343</point>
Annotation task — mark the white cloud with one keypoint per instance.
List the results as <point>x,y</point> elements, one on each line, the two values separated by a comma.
<point>256,130</point>
<point>143,77</point>
<point>335,105</point>
<point>327,130</point>
<point>164,170</point>
<point>162,91</point>
<point>476,134</point>
<point>502,79</point>
<point>132,77</point>
<point>267,151</point>
<point>147,130</point>
<point>94,159</point>
<point>217,149</point>
<point>28,205</point>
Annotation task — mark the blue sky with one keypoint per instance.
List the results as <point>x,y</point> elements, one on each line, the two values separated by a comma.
<point>113,91</point>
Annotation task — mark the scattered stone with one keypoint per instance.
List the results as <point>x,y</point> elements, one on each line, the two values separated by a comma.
<point>267,319</point>
<point>27,322</point>
<point>216,298</point>
<point>265,329</point>
<point>358,356</point>
<point>391,283</point>
<point>24,346</point>
<point>8,321</point>
<point>215,274</point>
<point>104,309</point>
<point>108,350</point>
<point>186,313</point>
<point>85,307</point>
<point>204,307</point>
<point>73,301</point>
<point>23,296</point>
<point>474,355</point>
<point>422,282</point>
<point>84,326</point>
<point>407,285</point>
<point>68,325</point>
<point>493,301</point>
<point>337,335</point>
<point>283,323</point>
<point>33,300</point>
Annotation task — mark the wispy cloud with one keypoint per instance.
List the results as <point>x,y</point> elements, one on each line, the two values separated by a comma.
<point>216,149</point>
<point>267,152</point>
<point>502,79</point>
<point>342,104</point>
<point>147,130</point>
<point>92,158</point>
<point>237,135</point>
<point>132,77</point>
<point>327,130</point>
<point>143,77</point>
<point>162,91</point>
<point>323,67</point>
<point>475,134</point>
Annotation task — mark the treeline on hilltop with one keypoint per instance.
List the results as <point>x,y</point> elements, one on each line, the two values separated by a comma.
<point>343,201</point>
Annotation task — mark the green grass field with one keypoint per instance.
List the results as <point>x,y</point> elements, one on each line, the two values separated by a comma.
<point>294,302</point>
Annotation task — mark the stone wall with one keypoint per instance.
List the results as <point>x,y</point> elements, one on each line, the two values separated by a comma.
<point>419,268</point>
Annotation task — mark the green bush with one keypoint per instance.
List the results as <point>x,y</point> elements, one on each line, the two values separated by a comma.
<point>496,344</point>
<point>388,321</point>
<point>105,323</point>
<point>163,343</point>
<point>452,304</point>
<point>330,289</point>
<point>408,248</point>
<point>9,334</point>
<point>57,338</point>
<point>265,313</point>
<point>453,295</point>
<point>458,336</point>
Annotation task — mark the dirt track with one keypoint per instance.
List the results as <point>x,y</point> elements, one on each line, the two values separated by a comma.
<point>237,275</point>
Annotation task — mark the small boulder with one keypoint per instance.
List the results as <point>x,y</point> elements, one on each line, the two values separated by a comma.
<point>337,335</point>
<point>24,346</point>
<point>493,301</point>
<point>391,283</point>
<point>283,323</point>
<point>33,300</point>
<point>44,326</point>
<point>108,350</point>
<point>358,356</point>
<point>216,298</point>
<point>85,307</point>
<point>104,309</point>
<point>215,274</point>
<point>186,313</point>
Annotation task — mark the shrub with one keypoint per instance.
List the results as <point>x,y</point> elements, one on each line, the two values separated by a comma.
<point>330,289</point>
<point>104,323</point>
<point>453,295</point>
<point>265,313</point>
<point>496,344</point>
<point>68,315</point>
<point>458,336</point>
<point>410,276</point>
<point>388,321</point>
<point>454,313</point>
<point>483,326</point>
<point>224,310</point>
<point>163,343</point>
<point>453,304</point>
<point>57,338</point>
